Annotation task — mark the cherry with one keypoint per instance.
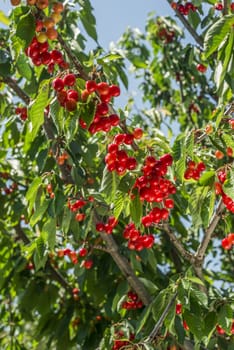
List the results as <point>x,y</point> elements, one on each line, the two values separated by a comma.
<point>201,68</point>
<point>219,154</point>
<point>88,264</point>
<point>70,104</point>
<point>138,133</point>
<point>178,309</point>
<point>103,88</point>
<point>58,84</point>
<point>69,79</point>
<point>58,7</point>
<point>91,86</point>
<point>114,90</point>
<point>72,94</point>
<point>218,6</point>
<point>83,252</point>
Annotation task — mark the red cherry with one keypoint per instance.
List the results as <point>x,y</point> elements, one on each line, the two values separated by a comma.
<point>71,105</point>
<point>72,94</point>
<point>226,244</point>
<point>75,291</point>
<point>114,90</point>
<point>232,6</point>
<point>219,154</point>
<point>56,56</point>
<point>178,309</point>
<point>88,264</point>
<point>218,6</point>
<point>69,79</point>
<point>229,152</point>
<point>90,86</point>
<point>80,217</point>
<point>201,68</point>
<point>220,330</point>
<point>103,88</point>
<point>83,252</point>
<point>114,119</point>
<point>137,133</point>
<point>58,84</point>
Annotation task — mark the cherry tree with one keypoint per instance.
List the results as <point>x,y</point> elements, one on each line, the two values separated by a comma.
<point>117,227</point>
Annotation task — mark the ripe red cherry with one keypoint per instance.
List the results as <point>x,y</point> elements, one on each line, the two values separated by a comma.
<point>72,94</point>
<point>137,133</point>
<point>90,85</point>
<point>58,84</point>
<point>69,79</point>
<point>169,203</point>
<point>178,309</point>
<point>114,90</point>
<point>88,264</point>
<point>80,217</point>
<point>218,6</point>
<point>232,6</point>
<point>201,68</point>
<point>103,88</point>
<point>70,105</point>
<point>220,330</point>
<point>114,119</point>
<point>56,56</point>
<point>229,152</point>
<point>83,252</point>
<point>75,291</point>
<point>226,243</point>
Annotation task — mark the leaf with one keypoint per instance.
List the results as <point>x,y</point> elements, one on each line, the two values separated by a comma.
<point>39,212</point>
<point>225,316</point>
<point>49,232</point>
<point>195,324</point>
<point>180,167</point>
<point>229,140</point>
<point>87,111</point>
<point>36,110</point>
<point>216,34</point>
<point>25,30</point>
<point>4,19</point>
<point>32,192</point>
<point>228,186</point>
<point>119,203</point>
<point>5,63</point>
<point>199,296</point>
<point>152,288</point>
<point>136,209</point>
<point>109,185</point>
<point>195,280</point>
<point>121,291</point>
<point>23,67</point>
<point>207,178</point>
<point>143,318</point>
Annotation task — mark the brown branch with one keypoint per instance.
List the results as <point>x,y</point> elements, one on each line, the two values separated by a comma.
<point>73,58</point>
<point>154,332</point>
<point>177,244</point>
<point>126,268</point>
<point>19,92</point>
<point>188,26</point>
<point>200,254</point>
<point>225,7</point>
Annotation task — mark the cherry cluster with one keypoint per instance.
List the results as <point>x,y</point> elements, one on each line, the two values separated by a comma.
<point>184,9</point>
<point>227,201</point>
<point>49,190</point>
<point>194,170</point>
<point>118,343</point>
<point>166,35</point>
<point>133,302</point>
<point>66,98</point>
<point>108,227</point>
<point>228,241</point>
<point>22,112</point>
<point>102,121</point>
<point>73,255</point>
<point>40,55</point>
<point>75,206</point>
<point>137,241</point>
<point>46,28</point>
<point>118,159</point>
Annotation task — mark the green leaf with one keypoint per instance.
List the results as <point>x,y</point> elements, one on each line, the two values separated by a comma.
<point>25,30</point>
<point>195,280</point>
<point>216,34</point>
<point>119,203</point>
<point>121,291</point>
<point>5,63</point>
<point>23,67</point>
<point>180,167</point>
<point>36,110</point>
<point>143,318</point>
<point>152,288</point>
<point>49,232</point>
<point>195,324</point>
<point>109,185</point>
<point>199,296</point>
<point>32,191</point>
<point>87,111</point>
<point>39,212</point>
<point>228,186</point>
<point>136,209</point>
<point>229,140</point>
<point>4,19</point>
<point>207,178</point>
<point>225,316</point>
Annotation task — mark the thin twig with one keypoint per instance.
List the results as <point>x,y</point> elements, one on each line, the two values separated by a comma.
<point>200,254</point>
<point>15,87</point>
<point>187,25</point>
<point>158,325</point>
<point>225,7</point>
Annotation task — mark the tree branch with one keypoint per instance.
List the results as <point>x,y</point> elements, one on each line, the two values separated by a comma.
<point>200,254</point>
<point>178,245</point>
<point>187,25</point>
<point>158,325</point>
<point>225,7</point>
<point>14,86</point>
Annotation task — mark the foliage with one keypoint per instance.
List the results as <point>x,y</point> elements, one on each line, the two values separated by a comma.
<point>109,238</point>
